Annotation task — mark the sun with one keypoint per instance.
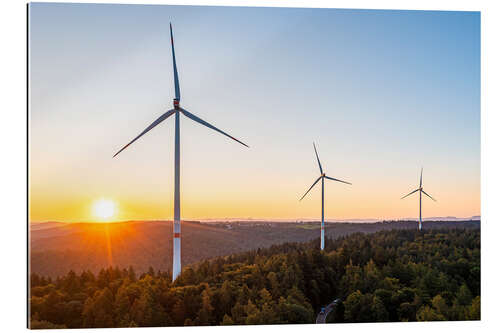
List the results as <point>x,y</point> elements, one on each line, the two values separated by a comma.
<point>104,208</point>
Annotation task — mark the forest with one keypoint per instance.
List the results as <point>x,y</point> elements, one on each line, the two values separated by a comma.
<point>396,275</point>
<point>57,247</point>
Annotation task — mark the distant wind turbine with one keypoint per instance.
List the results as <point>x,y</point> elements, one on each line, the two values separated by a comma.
<point>322,177</point>
<point>177,204</point>
<point>421,190</point>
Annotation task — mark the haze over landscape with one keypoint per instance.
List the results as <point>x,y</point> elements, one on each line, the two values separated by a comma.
<point>56,248</point>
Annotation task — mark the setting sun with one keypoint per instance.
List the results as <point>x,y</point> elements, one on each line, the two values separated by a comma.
<point>104,208</point>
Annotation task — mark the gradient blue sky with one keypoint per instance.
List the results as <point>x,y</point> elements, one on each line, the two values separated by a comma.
<point>382,93</point>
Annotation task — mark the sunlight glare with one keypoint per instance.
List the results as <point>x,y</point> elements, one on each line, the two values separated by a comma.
<point>104,208</point>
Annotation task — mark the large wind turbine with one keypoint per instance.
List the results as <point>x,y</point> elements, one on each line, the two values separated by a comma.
<point>176,270</point>
<point>322,177</point>
<point>421,190</point>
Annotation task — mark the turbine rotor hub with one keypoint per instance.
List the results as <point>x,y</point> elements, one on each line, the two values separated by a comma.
<point>176,104</point>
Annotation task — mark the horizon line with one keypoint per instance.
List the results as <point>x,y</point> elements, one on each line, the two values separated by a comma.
<point>278,220</point>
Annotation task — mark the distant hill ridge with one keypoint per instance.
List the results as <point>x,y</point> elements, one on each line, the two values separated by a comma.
<point>297,220</point>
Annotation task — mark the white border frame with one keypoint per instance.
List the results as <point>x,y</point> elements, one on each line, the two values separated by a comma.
<point>13,165</point>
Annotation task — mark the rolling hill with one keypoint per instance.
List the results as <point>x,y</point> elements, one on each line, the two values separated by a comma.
<point>57,247</point>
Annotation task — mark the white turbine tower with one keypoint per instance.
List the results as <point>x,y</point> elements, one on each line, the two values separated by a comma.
<point>176,269</point>
<point>322,177</point>
<point>421,190</point>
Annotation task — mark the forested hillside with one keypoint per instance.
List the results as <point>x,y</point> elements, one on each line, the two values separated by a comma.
<point>397,275</point>
<point>56,248</point>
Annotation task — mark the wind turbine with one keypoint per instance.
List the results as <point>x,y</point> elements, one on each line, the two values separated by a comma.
<point>421,190</point>
<point>177,110</point>
<point>322,177</point>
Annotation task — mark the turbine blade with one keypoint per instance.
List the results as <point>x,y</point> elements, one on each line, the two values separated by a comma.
<point>319,163</point>
<point>410,193</point>
<point>201,121</point>
<point>421,171</point>
<point>156,122</point>
<point>337,180</point>
<point>310,187</point>
<point>176,76</point>
<point>428,195</point>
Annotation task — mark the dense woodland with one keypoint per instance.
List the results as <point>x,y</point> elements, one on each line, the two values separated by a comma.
<point>397,275</point>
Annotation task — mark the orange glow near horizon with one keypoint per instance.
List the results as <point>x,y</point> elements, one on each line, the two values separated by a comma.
<point>341,202</point>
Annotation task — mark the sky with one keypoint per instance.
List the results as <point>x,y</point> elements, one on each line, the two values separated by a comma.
<point>381,93</point>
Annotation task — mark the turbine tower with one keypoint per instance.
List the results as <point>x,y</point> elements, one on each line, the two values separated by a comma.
<point>322,177</point>
<point>420,190</point>
<point>177,110</point>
